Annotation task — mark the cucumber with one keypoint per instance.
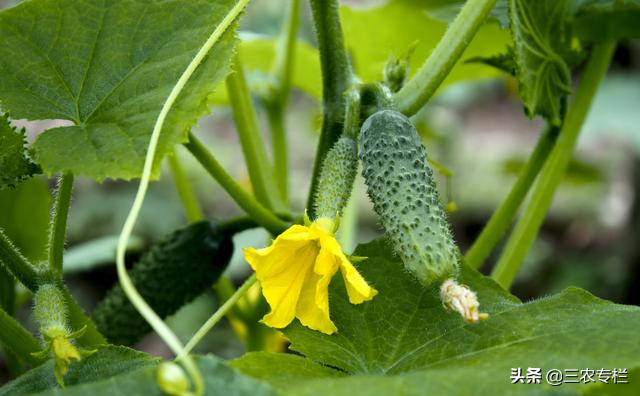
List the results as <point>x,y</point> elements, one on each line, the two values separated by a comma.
<point>404,195</point>
<point>50,309</point>
<point>337,175</point>
<point>400,184</point>
<point>172,273</point>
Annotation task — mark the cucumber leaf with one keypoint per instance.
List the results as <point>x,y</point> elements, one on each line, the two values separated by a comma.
<point>219,380</point>
<point>107,67</point>
<point>105,363</point>
<point>404,342</point>
<point>541,42</point>
<point>15,162</point>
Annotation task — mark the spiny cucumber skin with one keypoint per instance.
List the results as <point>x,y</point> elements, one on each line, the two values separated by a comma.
<point>336,178</point>
<point>400,184</point>
<point>173,272</point>
<point>49,308</point>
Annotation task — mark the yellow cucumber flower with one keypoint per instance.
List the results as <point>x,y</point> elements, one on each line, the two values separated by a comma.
<point>295,272</point>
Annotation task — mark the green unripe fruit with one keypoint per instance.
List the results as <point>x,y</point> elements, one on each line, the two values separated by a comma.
<point>336,178</point>
<point>401,186</point>
<point>50,309</point>
<point>172,273</point>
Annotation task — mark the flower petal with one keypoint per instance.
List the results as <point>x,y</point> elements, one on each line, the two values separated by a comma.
<point>313,305</point>
<point>281,269</point>
<point>357,288</point>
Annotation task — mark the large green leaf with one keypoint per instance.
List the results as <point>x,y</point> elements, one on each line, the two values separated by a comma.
<point>541,36</point>
<point>374,35</point>
<point>15,162</point>
<point>404,342</point>
<point>219,380</point>
<point>105,363</point>
<point>107,67</point>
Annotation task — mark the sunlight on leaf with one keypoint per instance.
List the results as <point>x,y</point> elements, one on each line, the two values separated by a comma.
<point>108,67</point>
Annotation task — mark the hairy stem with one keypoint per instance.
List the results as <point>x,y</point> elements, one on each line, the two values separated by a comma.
<point>554,168</point>
<point>192,209</point>
<point>255,153</point>
<point>336,78</point>
<point>16,264</point>
<point>18,339</point>
<point>219,314</point>
<point>504,215</point>
<point>435,69</point>
<point>59,217</point>
<point>259,213</point>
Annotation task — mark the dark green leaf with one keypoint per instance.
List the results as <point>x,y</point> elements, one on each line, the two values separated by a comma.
<point>404,342</point>
<point>25,217</point>
<point>105,363</point>
<point>219,380</point>
<point>541,41</point>
<point>601,20</point>
<point>15,163</point>
<point>505,61</point>
<point>107,67</point>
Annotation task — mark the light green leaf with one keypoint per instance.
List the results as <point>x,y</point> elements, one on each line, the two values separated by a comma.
<point>541,36</point>
<point>25,217</point>
<point>105,363</point>
<point>15,163</point>
<point>107,67</point>
<point>404,342</point>
<point>374,35</point>
<point>258,53</point>
<point>97,252</point>
<point>219,379</point>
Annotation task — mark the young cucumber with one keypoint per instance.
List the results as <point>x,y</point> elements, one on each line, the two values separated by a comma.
<point>404,195</point>
<point>401,187</point>
<point>176,270</point>
<point>337,175</point>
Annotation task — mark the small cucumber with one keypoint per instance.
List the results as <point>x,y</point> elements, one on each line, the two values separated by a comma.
<point>172,273</point>
<point>401,186</point>
<point>337,175</point>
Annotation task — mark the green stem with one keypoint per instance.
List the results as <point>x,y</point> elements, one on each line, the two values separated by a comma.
<point>278,96</point>
<point>336,78</point>
<point>59,217</point>
<point>17,264</point>
<point>255,153</point>
<point>18,339</point>
<point>190,203</point>
<point>503,216</point>
<point>275,113</point>
<point>283,65</point>
<point>435,69</point>
<point>30,277</point>
<point>259,213</point>
<point>219,314</point>
<point>554,168</point>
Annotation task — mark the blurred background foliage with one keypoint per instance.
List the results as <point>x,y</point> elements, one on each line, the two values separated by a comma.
<point>475,127</point>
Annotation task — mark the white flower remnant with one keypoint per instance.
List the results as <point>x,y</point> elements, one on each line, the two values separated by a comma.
<point>461,299</point>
